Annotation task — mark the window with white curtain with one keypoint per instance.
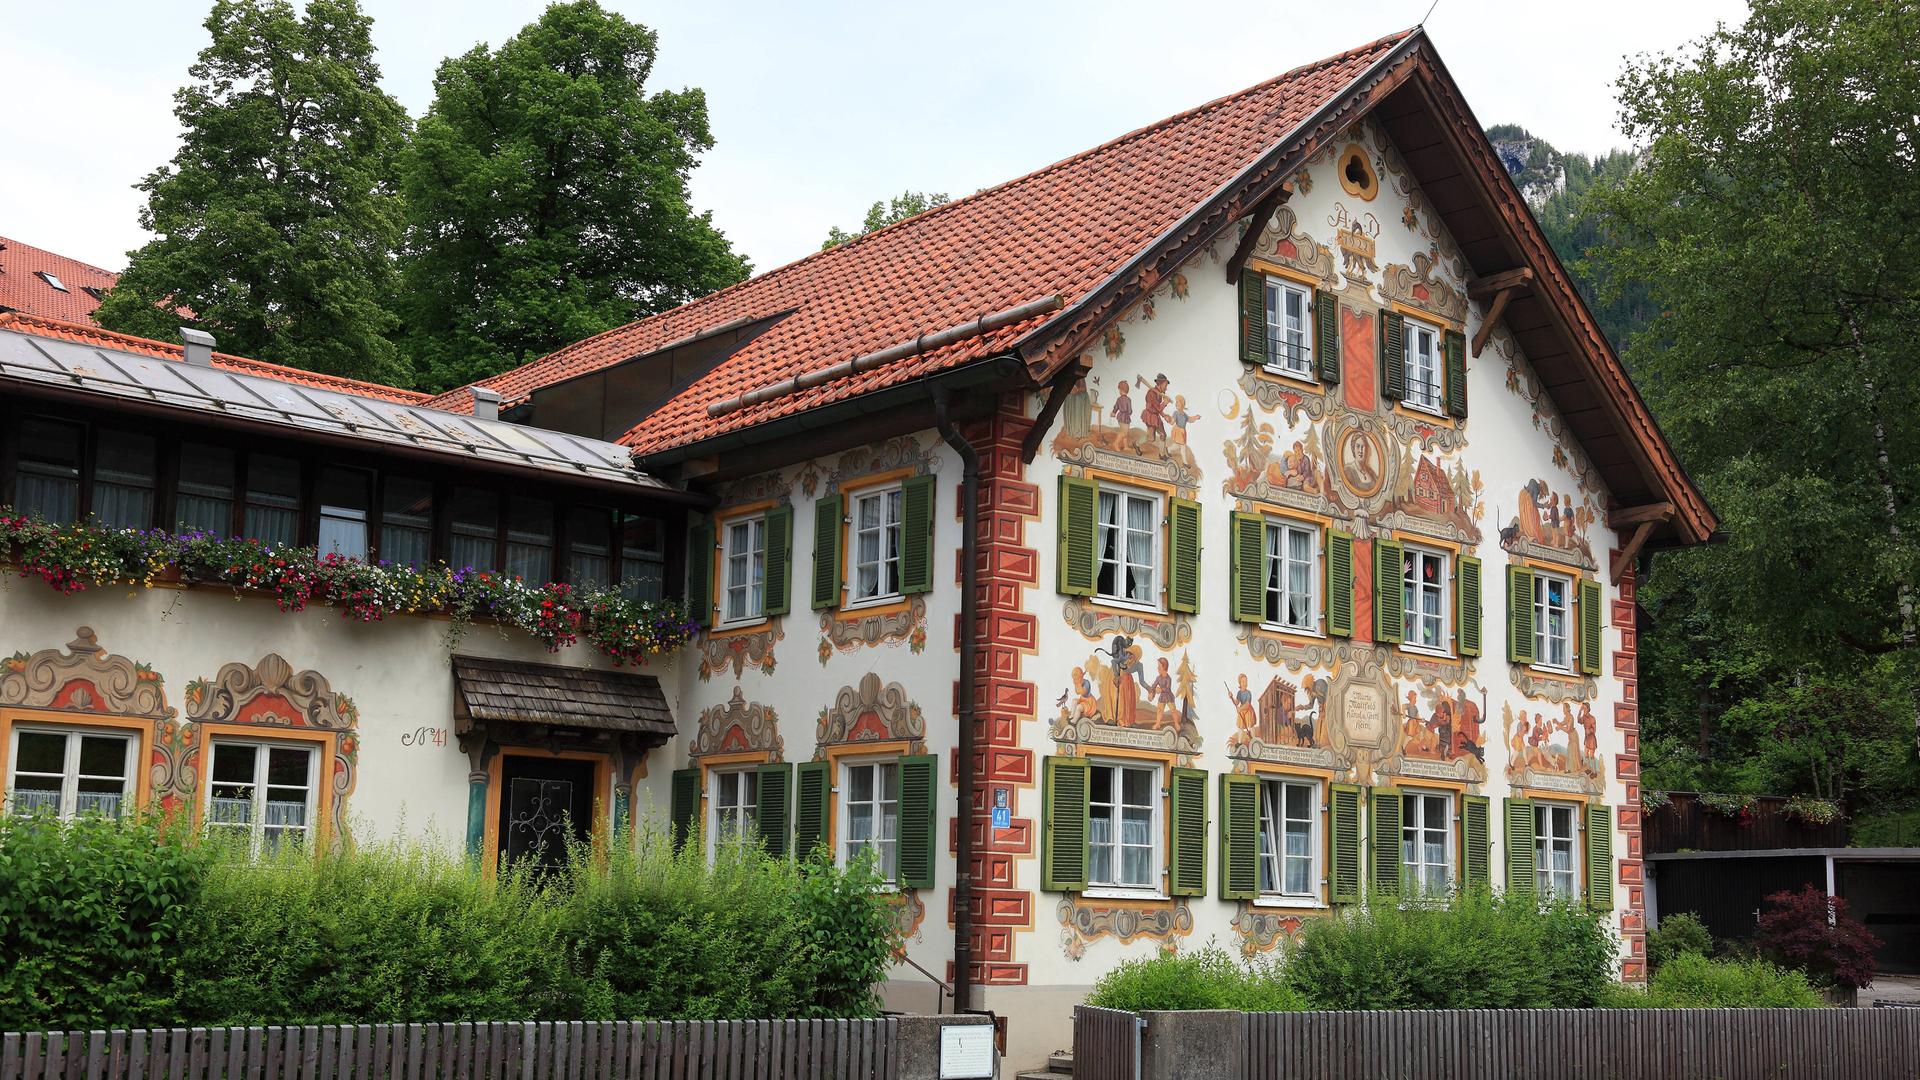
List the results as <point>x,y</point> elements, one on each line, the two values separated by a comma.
<point>69,771</point>
<point>735,794</point>
<point>273,499</point>
<point>1123,837</point>
<point>262,791</point>
<point>1129,547</point>
<point>870,807</point>
<point>1552,620</point>
<point>48,482</point>
<point>203,494</point>
<point>123,468</point>
<point>1422,358</point>
<point>1426,843</point>
<point>876,545</point>
<point>1289,338</point>
<point>1424,603</point>
<point>744,563</point>
<point>1293,578</point>
<point>345,498</point>
<point>1289,847</point>
<point>1555,871</point>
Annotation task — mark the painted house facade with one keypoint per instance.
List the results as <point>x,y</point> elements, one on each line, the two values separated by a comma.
<point>1169,546</point>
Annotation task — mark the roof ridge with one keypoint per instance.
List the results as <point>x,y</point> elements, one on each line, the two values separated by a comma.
<point>933,213</point>
<point>25,321</point>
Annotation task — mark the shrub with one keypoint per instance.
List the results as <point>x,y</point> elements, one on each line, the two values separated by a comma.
<point>1692,981</point>
<point>92,917</point>
<point>1812,932</point>
<point>1474,952</point>
<point>109,924</point>
<point>1679,934</point>
<point>1205,979</point>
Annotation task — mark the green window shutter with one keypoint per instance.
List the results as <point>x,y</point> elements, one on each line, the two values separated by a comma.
<point>1389,592</point>
<point>1519,615</point>
<point>1079,512</point>
<point>773,807</point>
<point>812,806</point>
<point>1467,619</point>
<point>1386,840</point>
<point>1183,569</point>
<point>919,820</point>
<point>1343,844</point>
<point>1591,607</point>
<point>1239,836</point>
<point>779,580</point>
<point>916,534</point>
<point>1600,857</point>
<point>1393,361</point>
<point>700,573</point>
<point>1253,316</point>
<point>826,553</point>
<point>1338,600</point>
<point>1476,826</point>
<point>1326,337</point>
<point>1247,535</point>
<point>1453,347</point>
<point>685,810</point>
<point>1520,846</point>
<point>1063,835</point>
<point>1187,868</point>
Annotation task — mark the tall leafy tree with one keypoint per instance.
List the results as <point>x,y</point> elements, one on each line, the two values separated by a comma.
<point>276,220</point>
<point>1772,220</point>
<point>884,213</point>
<point>547,197</point>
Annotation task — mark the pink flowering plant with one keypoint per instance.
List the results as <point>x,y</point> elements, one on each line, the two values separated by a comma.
<point>72,558</point>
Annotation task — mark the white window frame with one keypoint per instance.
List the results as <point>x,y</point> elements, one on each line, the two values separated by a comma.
<point>1154,887</point>
<point>743,544</point>
<point>1278,291</point>
<point>1410,361</point>
<point>845,846</point>
<point>740,784</point>
<point>1544,842</point>
<point>1413,878</point>
<point>1279,858</point>
<point>889,497</point>
<point>1542,636</point>
<point>1411,616</point>
<point>70,775</point>
<point>1273,555</point>
<point>1154,566</point>
<point>257,820</point>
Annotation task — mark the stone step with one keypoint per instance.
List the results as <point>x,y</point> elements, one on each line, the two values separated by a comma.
<point>1060,1062</point>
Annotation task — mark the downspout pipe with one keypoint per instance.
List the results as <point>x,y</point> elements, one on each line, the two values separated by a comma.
<point>969,632</point>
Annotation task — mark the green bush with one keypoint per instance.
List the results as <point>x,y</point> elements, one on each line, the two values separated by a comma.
<point>1473,952</point>
<point>1692,981</point>
<point>108,924</point>
<point>1206,979</point>
<point>1679,934</point>
<point>92,914</point>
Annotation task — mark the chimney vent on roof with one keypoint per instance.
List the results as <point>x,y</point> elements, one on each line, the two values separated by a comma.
<point>486,404</point>
<point>199,346</point>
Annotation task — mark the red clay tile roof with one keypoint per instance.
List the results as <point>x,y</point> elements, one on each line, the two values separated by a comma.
<point>23,289</point>
<point>1062,230</point>
<point>87,334</point>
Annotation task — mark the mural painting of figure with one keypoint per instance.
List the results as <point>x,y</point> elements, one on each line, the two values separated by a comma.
<point>1122,411</point>
<point>1154,415</point>
<point>1076,416</point>
<point>1181,418</point>
<point>1128,674</point>
<point>1467,728</point>
<point>1246,722</point>
<point>1165,713</point>
<point>1590,741</point>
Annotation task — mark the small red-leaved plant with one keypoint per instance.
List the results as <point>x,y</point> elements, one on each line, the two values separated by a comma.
<point>1812,932</point>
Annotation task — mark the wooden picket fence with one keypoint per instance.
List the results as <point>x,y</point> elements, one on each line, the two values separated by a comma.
<point>636,1050</point>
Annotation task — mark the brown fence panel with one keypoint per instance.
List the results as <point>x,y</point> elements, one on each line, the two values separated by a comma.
<point>610,1050</point>
<point>1551,1044</point>
<point>1106,1044</point>
<point>1686,824</point>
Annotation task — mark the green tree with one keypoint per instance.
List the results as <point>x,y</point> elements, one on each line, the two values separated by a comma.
<point>1771,220</point>
<point>547,197</point>
<point>882,214</point>
<point>275,222</point>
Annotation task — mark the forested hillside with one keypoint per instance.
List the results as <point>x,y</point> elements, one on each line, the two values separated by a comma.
<point>1743,258</point>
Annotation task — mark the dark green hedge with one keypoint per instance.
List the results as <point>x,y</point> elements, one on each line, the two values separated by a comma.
<point>107,924</point>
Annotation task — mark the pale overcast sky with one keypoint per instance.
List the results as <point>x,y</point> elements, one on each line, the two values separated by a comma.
<point>818,108</point>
